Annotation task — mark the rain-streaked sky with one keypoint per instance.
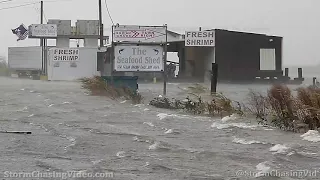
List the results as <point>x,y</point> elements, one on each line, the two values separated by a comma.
<point>296,20</point>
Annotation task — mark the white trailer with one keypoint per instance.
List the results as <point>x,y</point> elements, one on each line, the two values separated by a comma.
<point>25,61</point>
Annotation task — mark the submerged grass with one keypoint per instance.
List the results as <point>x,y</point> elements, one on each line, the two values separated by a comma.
<point>219,105</point>
<point>279,107</point>
<point>288,112</point>
<point>98,87</point>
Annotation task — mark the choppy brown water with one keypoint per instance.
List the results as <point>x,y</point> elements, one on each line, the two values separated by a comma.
<point>75,132</point>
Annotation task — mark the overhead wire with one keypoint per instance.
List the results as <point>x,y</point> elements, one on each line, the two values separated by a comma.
<point>5,1</point>
<point>22,5</point>
<point>108,12</point>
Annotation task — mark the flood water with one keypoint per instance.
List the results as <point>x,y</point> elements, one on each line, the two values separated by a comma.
<point>72,131</point>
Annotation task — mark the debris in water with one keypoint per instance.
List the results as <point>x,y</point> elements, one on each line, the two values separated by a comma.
<point>17,132</point>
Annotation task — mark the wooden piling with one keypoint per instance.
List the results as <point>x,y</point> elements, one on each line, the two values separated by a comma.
<point>214,78</point>
<point>300,73</point>
<point>286,72</point>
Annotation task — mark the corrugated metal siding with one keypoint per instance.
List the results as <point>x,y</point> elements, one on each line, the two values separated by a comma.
<point>23,58</point>
<point>267,59</point>
<point>238,54</point>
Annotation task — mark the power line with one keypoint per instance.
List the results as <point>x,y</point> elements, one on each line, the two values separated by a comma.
<point>18,6</point>
<point>5,1</point>
<point>108,12</point>
<point>56,0</point>
<point>39,11</point>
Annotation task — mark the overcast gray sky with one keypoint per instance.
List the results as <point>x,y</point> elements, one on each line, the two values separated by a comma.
<point>296,20</point>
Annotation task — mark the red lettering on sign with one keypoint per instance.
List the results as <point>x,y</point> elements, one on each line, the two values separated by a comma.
<point>135,34</point>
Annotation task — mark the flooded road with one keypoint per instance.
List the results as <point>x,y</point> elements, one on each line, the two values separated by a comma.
<point>72,131</point>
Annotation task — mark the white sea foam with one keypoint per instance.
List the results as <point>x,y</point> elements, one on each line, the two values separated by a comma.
<point>262,169</point>
<point>154,146</point>
<point>246,142</point>
<point>24,109</point>
<point>72,140</point>
<point>162,116</point>
<point>220,126</point>
<point>149,124</point>
<point>147,164</point>
<point>232,117</point>
<point>268,129</point>
<point>170,131</point>
<point>279,148</point>
<point>97,161</point>
<point>238,125</point>
<point>312,136</point>
<point>291,153</point>
<point>138,105</point>
<point>67,102</point>
<point>121,154</point>
<point>146,109</point>
<point>31,115</point>
<point>304,153</point>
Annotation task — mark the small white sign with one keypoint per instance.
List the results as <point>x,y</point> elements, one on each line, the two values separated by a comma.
<point>138,58</point>
<point>65,55</point>
<point>200,38</point>
<point>43,30</point>
<point>130,33</point>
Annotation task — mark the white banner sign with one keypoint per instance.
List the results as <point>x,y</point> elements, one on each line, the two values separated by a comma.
<point>67,55</point>
<point>43,30</point>
<point>139,33</point>
<point>138,58</point>
<point>200,38</point>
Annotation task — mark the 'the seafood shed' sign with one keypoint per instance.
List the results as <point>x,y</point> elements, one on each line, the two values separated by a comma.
<point>138,58</point>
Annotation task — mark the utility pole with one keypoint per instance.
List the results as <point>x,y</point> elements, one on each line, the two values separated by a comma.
<point>100,24</point>
<point>41,39</point>
<point>41,20</point>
